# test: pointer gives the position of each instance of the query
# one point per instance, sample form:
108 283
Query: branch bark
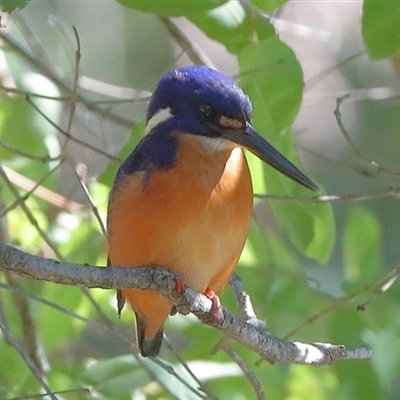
249 334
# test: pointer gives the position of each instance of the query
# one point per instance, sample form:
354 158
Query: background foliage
317 271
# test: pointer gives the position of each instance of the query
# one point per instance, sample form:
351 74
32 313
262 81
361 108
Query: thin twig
69 136
72 104
31 94
339 121
201 386
73 393
55 306
29 329
95 211
320 76
31 218
196 55
59 82
24 355
36 188
31 39
247 372
169 368
330 198
246 310
43 159
378 286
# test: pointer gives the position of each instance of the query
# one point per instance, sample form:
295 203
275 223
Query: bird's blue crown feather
184 90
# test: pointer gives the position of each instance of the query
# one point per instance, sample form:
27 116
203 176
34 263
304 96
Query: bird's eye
206 111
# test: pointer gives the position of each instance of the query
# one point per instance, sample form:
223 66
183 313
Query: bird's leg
216 304
179 285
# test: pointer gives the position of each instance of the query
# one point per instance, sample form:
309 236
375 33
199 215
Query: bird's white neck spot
160 116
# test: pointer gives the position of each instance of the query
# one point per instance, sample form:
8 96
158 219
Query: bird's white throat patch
160 116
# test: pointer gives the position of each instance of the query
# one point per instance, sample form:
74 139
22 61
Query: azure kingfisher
183 198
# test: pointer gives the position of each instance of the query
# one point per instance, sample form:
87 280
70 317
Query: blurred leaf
203 370
269 5
271 75
383 340
22 231
16 377
82 244
172 8
116 377
11 5
24 129
381 28
310 226
357 379
22 133
102 370
311 386
59 327
233 25
266 248
289 303
362 246
255 251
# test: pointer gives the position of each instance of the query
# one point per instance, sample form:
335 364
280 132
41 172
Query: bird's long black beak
254 142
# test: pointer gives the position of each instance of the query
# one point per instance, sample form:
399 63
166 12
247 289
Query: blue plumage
155 151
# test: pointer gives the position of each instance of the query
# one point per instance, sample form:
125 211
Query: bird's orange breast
192 218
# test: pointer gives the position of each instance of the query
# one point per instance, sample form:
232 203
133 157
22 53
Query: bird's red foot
179 285
216 304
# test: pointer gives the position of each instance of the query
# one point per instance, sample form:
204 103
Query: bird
183 199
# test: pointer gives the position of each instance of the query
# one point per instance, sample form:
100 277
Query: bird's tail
149 347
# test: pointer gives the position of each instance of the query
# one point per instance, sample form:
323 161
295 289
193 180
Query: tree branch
264 343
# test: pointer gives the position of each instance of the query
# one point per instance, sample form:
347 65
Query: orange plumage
192 219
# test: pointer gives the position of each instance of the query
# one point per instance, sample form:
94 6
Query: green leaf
59 327
357 378
233 25
172 8
383 341
310 226
272 77
362 246
22 231
203 370
15 375
381 28
102 370
117 377
306 385
269 5
11 5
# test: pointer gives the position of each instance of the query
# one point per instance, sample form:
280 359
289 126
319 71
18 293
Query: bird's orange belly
181 221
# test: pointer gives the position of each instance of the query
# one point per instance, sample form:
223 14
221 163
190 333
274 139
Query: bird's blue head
198 98
201 101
